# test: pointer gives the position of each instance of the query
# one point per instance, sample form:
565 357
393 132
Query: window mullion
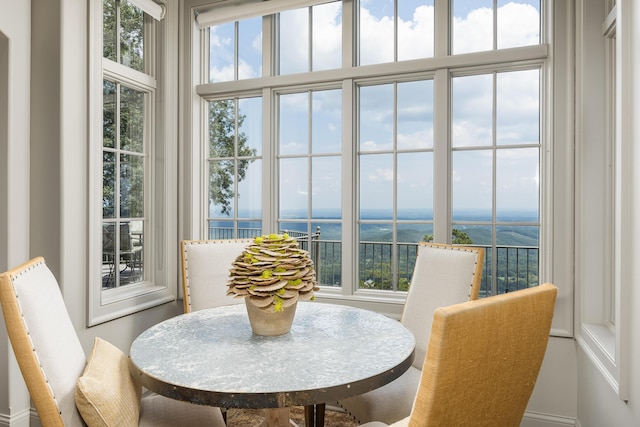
350 184
442 156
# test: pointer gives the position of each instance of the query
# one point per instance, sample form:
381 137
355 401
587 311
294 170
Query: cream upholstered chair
66 388
483 360
443 275
205 271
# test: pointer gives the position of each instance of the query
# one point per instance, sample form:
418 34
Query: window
606 141
128 275
402 136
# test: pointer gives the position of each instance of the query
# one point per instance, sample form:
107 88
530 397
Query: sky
515 100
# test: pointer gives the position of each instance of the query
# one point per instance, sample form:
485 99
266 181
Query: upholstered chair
205 271
443 275
67 388
483 360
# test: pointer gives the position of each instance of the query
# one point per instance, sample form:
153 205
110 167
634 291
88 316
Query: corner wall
15 48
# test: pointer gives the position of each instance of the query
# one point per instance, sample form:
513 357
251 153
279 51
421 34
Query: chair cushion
160 411
106 394
389 403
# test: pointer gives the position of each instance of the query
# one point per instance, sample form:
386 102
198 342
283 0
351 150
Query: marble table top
212 357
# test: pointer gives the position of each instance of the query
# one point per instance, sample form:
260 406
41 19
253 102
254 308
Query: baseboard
535 419
20 419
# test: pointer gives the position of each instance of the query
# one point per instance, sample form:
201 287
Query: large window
130 157
383 125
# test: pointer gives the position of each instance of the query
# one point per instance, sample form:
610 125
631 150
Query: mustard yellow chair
443 275
67 388
205 271
483 361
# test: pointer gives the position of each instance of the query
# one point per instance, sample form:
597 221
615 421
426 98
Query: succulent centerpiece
272 274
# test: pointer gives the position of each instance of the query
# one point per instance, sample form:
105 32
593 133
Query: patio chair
66 388
483 360
443 275
205 271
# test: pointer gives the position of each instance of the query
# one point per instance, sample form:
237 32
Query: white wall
15 47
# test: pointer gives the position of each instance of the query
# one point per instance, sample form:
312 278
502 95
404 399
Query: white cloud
381 175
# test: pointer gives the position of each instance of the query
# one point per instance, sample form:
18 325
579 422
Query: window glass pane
327 121
326 179
294 188
517 177
376 38
131 119
294 41
108 114
222 128
221 230
250 126
131 186
415 185
375 255
222 52
327 36
415 115
518 23
472 26
328 264
248 229
235 171
415 29
108 184
249 188
472 116
376 186
472 185
518 107
221 188
109 30
250 48
131 36
517 257
376 118
294 123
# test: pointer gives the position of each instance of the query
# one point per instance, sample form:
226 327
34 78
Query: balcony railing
512 268
515 267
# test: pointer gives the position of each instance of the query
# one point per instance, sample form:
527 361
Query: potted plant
272 274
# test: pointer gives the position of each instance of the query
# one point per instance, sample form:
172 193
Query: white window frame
160 259
556 244
605 271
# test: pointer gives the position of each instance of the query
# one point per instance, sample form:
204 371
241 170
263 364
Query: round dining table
212 357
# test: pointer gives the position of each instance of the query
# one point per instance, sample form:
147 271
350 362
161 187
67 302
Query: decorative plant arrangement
272 274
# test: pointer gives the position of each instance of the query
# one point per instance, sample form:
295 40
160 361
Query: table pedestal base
280 417
276 417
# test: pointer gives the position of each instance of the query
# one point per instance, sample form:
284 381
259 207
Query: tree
223 143
458 237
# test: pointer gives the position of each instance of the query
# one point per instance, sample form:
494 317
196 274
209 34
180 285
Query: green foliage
458 237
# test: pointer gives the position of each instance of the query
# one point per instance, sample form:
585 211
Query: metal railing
513 267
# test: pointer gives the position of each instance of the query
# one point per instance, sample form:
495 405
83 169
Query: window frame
159 285
556 212
605 275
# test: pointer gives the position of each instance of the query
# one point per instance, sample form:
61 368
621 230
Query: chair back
205 271
483 360
44 341
443 275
